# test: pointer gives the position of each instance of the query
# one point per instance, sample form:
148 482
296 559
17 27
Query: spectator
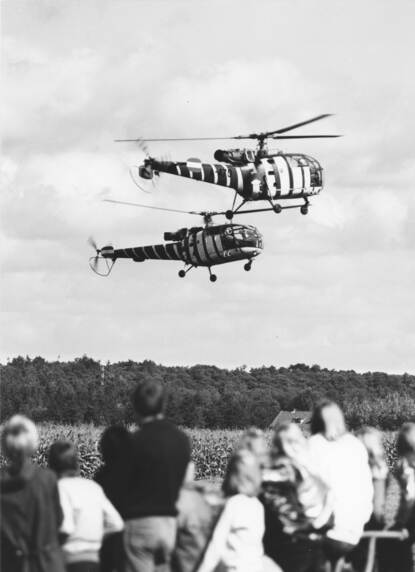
236 543
195 522
115 445
400 555
87 513
159 458
297 503
372 440
30 509
253 440
341 461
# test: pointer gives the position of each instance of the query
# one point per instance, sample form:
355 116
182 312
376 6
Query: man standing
160 455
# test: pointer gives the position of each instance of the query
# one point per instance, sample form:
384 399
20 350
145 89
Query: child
87 513
196 518
236 543
253 440
297 503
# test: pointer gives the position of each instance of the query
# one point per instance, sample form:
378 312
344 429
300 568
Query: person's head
328 420
114 444
243 475
405 444
372 440
190 473
19 438
253 440
149 399
63 459
288 440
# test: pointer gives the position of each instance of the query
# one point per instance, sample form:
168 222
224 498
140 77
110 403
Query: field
210 452
210 448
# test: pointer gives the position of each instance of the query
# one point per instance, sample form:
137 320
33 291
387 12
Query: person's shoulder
317 441
44 474
168 428
353 443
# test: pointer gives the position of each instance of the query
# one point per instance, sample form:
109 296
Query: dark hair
318 423
114 443
149 398
404 444
63 457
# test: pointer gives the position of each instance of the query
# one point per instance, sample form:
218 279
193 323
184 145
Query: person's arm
112 519
67 526
216 546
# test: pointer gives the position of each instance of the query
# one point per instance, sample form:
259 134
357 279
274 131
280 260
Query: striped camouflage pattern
283 176
201 247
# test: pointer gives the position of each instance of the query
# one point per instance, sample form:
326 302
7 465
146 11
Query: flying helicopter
207 245
254 174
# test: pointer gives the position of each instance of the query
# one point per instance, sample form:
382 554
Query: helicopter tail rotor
103 261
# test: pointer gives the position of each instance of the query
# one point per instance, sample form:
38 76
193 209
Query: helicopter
254 174
207 246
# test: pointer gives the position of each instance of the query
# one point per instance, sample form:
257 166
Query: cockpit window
237 237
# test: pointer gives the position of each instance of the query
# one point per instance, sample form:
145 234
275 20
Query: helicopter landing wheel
304 209
213 277
182 273
229 215
277 209
248 266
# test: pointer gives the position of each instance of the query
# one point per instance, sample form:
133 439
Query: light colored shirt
343 465
236 543
87 516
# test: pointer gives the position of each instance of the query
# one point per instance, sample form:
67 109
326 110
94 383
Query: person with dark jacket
30 508
160 453
115 446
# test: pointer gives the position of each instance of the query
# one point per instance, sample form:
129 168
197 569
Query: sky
334 287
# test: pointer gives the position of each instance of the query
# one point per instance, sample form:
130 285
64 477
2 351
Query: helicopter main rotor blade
175 139
276 136
198 213
260 136
296 125
148 207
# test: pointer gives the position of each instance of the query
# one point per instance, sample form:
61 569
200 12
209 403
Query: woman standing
30 508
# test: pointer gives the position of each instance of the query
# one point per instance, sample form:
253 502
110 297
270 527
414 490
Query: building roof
301 417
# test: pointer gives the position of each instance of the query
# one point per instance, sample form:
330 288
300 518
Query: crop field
210 452
210 448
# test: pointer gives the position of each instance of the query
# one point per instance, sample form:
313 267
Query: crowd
299 506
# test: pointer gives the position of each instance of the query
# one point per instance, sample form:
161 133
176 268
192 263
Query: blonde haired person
236 543
297 502
341 460
29 506
253 439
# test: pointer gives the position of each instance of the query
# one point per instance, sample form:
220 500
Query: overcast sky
335 287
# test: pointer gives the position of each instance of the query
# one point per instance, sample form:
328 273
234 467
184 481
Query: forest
87 391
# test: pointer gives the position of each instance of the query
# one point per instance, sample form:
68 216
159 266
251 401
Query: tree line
86 391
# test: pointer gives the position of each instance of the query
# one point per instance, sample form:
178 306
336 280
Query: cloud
334 287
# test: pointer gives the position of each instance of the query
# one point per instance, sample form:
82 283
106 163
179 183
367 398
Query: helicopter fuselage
272 177
209 246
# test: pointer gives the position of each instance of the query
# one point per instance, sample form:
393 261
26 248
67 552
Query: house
302 418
